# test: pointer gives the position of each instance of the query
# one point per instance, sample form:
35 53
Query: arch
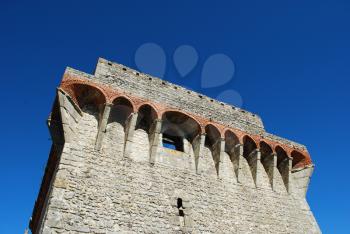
144 133
85 95
281 154
118 125
121 110
168 110
299 159
150 105
231 140
213 142
212 135
123 100
249 146
265 149
146 117
180 124
179 130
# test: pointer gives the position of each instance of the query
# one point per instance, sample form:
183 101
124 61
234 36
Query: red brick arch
77 89
218 127
154 107
126 98
282 147
197 120
209 128
251 138
267 145
237 133
109 94
300 160
228 142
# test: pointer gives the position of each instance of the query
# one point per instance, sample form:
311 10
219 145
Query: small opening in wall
137 73
109 63
173 142
124 69
180 207
200 96
149 78
189 92
175 87
163 82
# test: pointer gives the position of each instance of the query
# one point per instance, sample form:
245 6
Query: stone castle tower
135 154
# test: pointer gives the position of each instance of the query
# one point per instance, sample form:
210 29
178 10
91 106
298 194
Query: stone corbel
238 152
198 146
102 126
222 155
129 134
155 139
255 166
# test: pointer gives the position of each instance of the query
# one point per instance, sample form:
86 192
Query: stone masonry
135 154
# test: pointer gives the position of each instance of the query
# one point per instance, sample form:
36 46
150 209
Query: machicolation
135 154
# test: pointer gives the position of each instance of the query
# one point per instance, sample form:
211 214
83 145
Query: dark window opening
180 207
181 213
173 142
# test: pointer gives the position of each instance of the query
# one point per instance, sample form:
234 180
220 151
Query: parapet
114 80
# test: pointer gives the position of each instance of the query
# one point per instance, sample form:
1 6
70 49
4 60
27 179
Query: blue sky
292 67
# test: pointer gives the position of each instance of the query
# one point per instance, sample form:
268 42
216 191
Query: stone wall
104 192
130 183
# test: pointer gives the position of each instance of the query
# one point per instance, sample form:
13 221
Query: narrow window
180 207
181 212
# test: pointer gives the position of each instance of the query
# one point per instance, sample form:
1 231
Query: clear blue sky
292 63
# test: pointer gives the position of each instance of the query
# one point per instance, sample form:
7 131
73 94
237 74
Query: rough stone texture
108 191
193 102
120 77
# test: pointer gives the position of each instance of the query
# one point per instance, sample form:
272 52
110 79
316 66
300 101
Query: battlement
119 124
